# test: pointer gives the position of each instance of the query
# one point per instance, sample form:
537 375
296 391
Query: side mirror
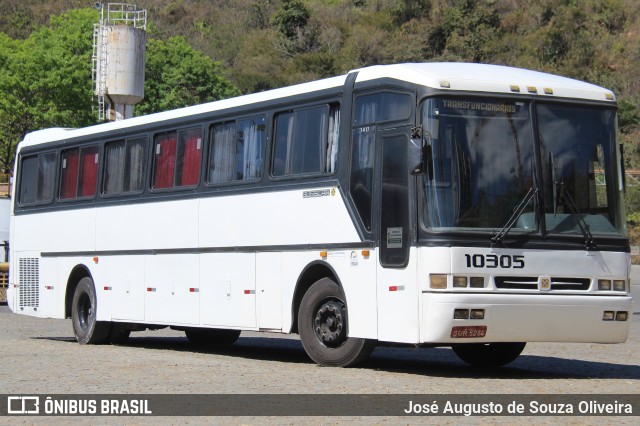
416 156
421 155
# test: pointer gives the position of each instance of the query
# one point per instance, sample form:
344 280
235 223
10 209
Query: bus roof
454 76
488 78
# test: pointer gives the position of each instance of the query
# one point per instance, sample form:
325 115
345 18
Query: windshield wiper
563 194
530 195
559 194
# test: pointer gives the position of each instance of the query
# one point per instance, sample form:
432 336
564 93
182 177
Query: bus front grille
531 283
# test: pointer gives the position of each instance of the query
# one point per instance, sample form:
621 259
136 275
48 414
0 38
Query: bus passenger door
397 266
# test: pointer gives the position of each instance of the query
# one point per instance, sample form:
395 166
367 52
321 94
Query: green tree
293 24
259 65
291 18
176 75
45 80
471 29
406 10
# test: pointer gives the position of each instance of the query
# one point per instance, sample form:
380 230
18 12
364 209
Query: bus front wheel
322 323
83 315
488 354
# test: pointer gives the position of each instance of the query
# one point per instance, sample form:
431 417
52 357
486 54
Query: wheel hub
329 323
84 312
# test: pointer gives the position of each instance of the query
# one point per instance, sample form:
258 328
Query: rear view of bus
437 204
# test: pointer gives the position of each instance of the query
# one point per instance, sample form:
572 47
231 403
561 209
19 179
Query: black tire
119 334
488 354
322 323
211 336
83 315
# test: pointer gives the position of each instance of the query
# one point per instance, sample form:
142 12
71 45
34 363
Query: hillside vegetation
263 44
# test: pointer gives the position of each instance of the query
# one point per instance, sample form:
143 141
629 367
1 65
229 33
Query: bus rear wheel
488 354
211 336
322 323
83 315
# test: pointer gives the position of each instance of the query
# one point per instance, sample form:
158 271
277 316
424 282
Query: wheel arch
313 272
77 273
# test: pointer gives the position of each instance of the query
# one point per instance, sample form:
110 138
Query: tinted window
306 141
37 179
362 160
177 158
125 166
79 172
380 107
237 150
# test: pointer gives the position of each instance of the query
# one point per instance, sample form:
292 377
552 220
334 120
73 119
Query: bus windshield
481 172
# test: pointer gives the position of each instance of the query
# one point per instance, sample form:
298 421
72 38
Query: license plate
468 331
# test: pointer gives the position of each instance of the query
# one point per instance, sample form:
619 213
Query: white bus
436 204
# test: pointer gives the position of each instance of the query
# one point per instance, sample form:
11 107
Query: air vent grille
29 275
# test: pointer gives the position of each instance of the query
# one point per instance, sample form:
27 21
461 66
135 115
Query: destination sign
479 106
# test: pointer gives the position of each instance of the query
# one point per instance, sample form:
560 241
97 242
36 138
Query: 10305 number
505 261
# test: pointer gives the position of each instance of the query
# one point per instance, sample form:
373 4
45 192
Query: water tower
119 45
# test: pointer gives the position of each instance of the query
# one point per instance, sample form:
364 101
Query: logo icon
545 283
23 405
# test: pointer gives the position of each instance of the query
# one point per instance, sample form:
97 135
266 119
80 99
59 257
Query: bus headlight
461 314
622 315
477 282
604 285
619 285
438 282
477 314
459 281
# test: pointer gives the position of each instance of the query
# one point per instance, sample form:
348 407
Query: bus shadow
432 362
443 362
274 349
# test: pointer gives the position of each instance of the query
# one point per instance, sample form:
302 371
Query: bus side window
177 158
221 153
306 141
79 172
282 144
125 166
362 160
382 107
237 151
88 171
188 161
37 179
69 173
250 148
164 160
28 180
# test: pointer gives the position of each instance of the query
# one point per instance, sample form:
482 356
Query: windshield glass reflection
481 163
479 157
580 175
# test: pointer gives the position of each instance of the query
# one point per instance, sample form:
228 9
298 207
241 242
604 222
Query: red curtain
69 184
165 161
191 160
89 172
